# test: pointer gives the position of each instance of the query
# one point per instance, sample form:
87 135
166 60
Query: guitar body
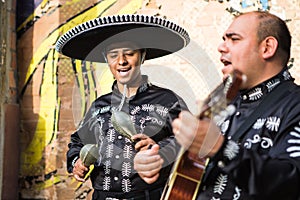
186 176
188 170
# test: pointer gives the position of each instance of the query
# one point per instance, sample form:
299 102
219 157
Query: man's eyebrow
120 49
112 51
229 35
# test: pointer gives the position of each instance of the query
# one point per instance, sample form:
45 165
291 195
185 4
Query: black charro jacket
152 110
265 163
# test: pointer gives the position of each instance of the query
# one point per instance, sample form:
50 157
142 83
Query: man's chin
225 76
123 80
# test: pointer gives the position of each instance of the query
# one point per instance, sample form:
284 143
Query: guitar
188 170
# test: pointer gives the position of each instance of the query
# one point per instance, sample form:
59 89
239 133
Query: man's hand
143 142
79 171
200 137
148 163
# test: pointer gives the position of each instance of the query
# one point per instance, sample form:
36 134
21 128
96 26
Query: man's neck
130 90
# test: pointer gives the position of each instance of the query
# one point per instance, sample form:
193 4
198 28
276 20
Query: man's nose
222 47
122 59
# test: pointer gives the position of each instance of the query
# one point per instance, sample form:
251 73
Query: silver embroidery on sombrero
121 20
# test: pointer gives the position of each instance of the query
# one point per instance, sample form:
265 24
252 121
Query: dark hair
271 25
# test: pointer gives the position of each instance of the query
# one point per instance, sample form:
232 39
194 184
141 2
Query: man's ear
270 46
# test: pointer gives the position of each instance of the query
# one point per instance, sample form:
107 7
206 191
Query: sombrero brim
88 40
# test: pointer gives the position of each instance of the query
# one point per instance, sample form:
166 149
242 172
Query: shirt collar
257 92
142 88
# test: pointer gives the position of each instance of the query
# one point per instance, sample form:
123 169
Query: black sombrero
87 41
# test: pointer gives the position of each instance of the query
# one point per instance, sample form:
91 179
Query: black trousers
154 194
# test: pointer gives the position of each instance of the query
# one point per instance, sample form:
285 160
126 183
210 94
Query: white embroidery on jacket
256 94
148 107
271 84
273 123
126 185
259 123
142 123
127 153
214 198
163 111
224 126
294 149
237 194
231 150
264 142
221 116
109 150
107 166
135 110
156 121
111 135
106 183
143 87
74 160
220 184
249 142
104 109
287 75
126 169
127 140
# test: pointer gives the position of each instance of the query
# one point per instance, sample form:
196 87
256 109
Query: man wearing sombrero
124 42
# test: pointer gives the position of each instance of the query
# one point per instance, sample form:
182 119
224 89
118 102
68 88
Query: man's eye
112 55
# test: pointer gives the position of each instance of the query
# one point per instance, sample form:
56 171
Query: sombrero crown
87 41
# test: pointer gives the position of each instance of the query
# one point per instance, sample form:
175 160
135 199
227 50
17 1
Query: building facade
44 94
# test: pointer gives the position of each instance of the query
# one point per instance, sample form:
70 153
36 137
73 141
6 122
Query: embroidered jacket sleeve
267 165
169 146
81 136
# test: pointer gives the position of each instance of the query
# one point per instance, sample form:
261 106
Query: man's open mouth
226 62
124 70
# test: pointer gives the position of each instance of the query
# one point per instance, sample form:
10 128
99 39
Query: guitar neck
222 95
